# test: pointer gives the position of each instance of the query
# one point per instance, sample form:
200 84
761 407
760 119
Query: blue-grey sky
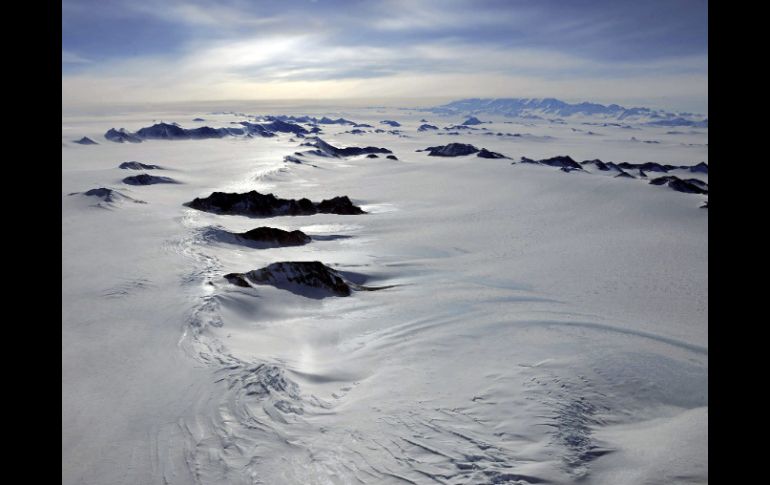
630 52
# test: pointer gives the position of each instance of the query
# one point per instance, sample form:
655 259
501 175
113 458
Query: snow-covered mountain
535 108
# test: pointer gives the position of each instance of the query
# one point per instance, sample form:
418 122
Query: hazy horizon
318 104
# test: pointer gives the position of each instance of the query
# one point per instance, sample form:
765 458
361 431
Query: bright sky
652 53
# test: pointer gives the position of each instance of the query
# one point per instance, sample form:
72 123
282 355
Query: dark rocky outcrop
598 163
689 186
624 174
255 129
162 131
198 119
310 120
172 131
121 136
705 205
109 196
452 150
472 121
284 127
633 138
647 166
275 237
85 141
307 278
103 193
338 121
484 153
339 205
325 149
372 155
702 167
394 124
254 204
138 166
392 157
558 161
427 127
146 179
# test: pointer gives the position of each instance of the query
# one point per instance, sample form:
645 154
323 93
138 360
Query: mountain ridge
540 108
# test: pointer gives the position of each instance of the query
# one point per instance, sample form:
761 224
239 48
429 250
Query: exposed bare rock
85 141
254 204
307 278
275 237
138 166
146 179
690 186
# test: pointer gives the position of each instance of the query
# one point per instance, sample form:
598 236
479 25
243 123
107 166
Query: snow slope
539 326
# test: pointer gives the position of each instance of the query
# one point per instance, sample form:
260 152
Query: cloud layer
625 52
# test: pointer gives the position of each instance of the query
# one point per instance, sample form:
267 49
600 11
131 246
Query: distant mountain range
544 108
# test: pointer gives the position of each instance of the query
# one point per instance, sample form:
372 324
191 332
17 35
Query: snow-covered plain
543 327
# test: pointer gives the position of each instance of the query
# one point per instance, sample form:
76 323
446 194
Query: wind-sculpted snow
255 204
536 327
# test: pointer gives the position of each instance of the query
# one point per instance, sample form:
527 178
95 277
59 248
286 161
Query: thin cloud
68 57
250 50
